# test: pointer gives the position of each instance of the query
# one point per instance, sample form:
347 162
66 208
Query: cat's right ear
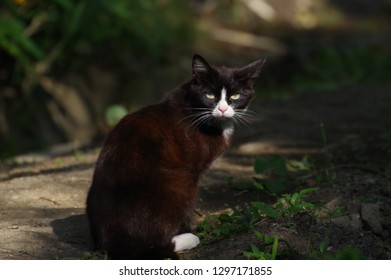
201 68
250 72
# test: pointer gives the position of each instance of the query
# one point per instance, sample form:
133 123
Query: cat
144 186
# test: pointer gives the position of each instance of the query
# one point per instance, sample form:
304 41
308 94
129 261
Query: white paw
185 241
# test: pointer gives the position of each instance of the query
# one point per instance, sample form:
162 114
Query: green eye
235 96
210 96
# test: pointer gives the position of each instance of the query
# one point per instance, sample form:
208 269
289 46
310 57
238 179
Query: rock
371 218
333 204
353 222
328 208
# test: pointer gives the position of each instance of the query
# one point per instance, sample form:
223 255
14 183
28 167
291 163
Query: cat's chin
225 123
224 119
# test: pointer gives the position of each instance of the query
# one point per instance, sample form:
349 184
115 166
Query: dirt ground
42 200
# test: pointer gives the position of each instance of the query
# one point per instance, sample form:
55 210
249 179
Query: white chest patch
227 133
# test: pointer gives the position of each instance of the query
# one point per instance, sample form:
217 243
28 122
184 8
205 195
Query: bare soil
42 203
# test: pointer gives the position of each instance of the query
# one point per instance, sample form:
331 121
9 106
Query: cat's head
222 93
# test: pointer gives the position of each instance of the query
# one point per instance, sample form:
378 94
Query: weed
274 170
257 254
215 227
344 253
328 174
274 180
291 204
339 211
299 165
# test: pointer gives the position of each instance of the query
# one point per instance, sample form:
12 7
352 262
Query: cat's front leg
185 241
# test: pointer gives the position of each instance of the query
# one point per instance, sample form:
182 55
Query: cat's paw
185 241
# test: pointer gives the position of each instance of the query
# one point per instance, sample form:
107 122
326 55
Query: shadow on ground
73 230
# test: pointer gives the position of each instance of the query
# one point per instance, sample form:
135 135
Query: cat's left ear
250 72
201 68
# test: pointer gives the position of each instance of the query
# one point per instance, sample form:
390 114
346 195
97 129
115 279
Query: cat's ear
201 68
250 72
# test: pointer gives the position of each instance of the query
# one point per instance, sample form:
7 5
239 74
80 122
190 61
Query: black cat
144 186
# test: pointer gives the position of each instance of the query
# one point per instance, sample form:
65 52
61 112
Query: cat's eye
210 96
235 96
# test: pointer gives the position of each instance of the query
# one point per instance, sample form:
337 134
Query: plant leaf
275 185
114 114
266 209
225 218
294 199
255 249
277 163
307 190
261 165
275 247
258 186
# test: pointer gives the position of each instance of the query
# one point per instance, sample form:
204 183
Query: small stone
371 218
13 227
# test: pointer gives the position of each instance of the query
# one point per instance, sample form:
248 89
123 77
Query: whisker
199 120
195 108
200 108
192 116
196 117
241 120
248 116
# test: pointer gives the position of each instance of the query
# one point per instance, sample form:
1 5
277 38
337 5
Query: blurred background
69 69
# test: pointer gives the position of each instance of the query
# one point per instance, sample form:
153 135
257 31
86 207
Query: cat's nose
223 108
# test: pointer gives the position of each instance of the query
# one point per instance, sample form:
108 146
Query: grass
328 173
258 254
274 171
275 176
343 253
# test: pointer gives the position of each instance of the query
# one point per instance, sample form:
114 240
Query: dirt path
42 204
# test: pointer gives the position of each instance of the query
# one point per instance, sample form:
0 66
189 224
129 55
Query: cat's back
142 126
140 138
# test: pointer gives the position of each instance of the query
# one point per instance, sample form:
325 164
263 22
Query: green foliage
223 225
276 164
327 174
291 204
218 226
114 113
287 205
15 42
263 208
275 170
54 39
257 254
344 253
146 28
